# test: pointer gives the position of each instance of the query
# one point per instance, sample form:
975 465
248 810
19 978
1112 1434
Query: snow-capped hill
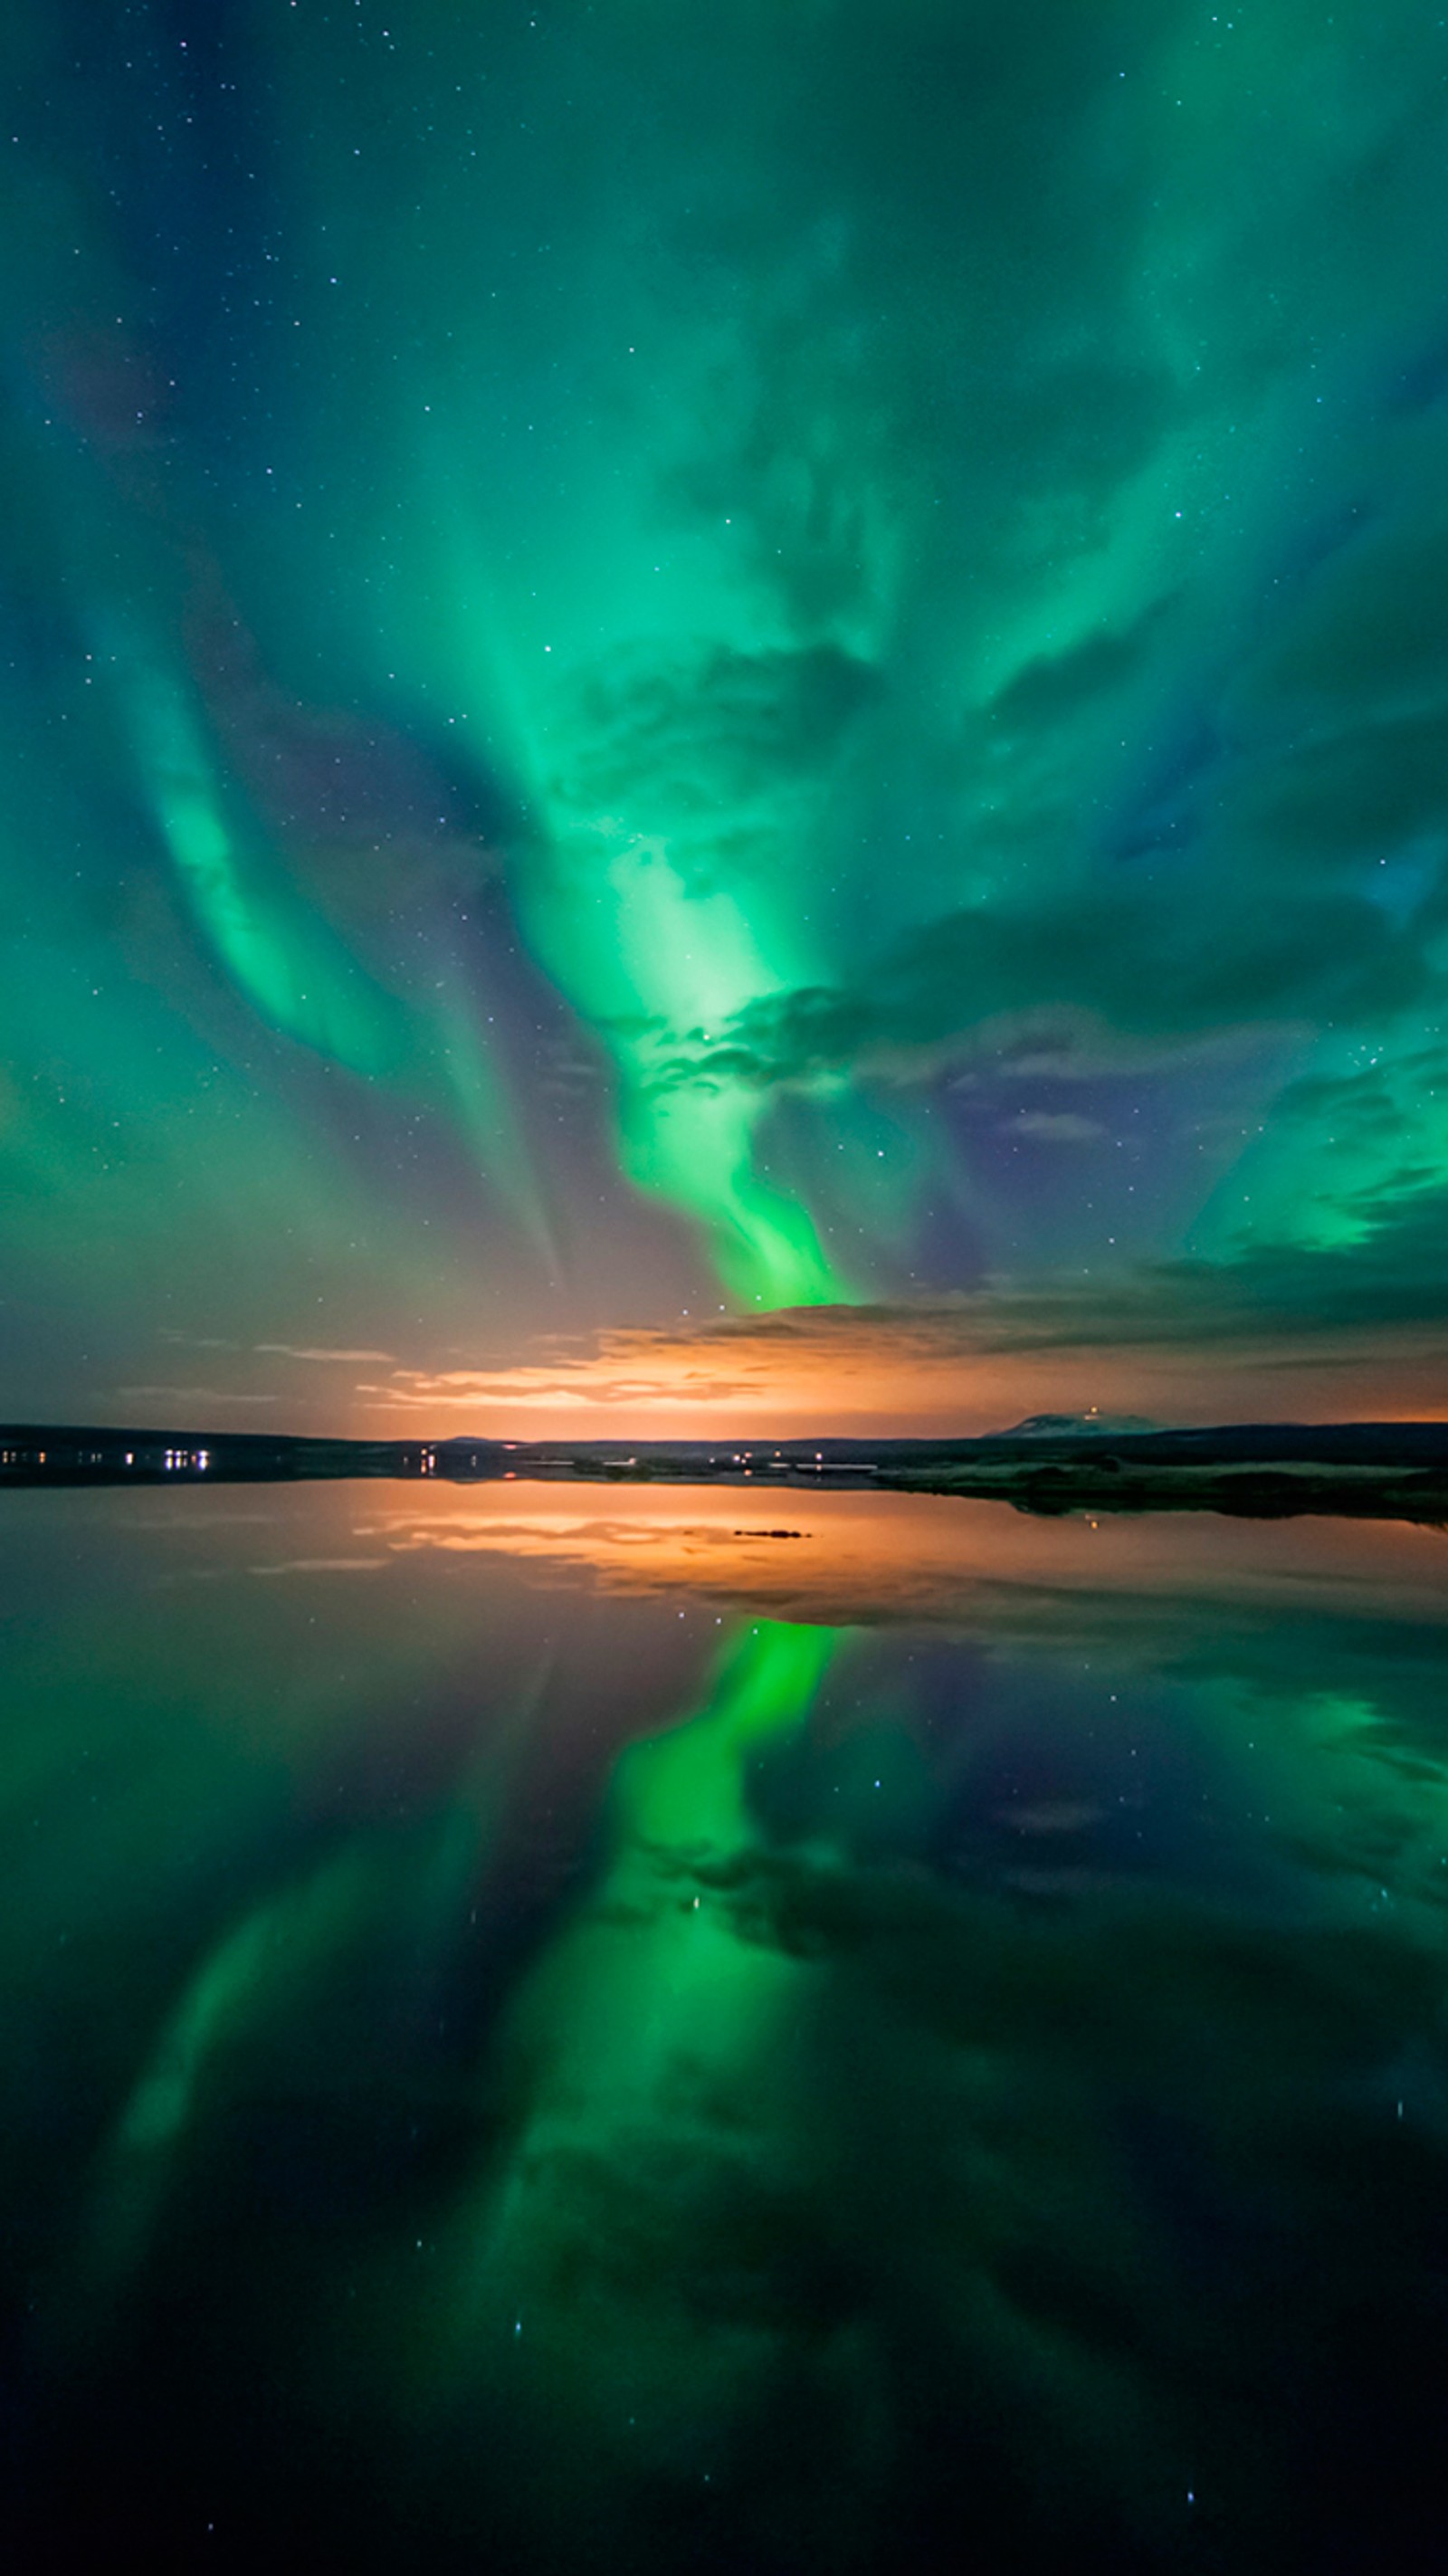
1066 1426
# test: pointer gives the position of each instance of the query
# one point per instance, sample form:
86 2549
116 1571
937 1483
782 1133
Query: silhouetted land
1396 1470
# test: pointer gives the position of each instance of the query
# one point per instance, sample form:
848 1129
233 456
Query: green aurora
778 656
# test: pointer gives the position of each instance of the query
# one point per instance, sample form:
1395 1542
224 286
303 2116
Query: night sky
726 715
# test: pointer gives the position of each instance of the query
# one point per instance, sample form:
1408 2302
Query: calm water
547 2031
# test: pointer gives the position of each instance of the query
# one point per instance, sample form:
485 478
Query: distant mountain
1066 1426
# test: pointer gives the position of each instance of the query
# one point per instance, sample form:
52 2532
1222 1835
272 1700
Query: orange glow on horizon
841 1373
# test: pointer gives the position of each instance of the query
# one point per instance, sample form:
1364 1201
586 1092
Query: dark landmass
1388 1470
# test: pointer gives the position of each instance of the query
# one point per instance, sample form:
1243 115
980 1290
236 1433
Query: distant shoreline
1394 1470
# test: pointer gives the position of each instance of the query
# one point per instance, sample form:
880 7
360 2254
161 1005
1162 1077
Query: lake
549 2029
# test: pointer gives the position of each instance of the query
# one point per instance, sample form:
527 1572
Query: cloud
1055 1127
603 1376
1146 962
324 1565
1053 686
704 744
187 1395
295 1351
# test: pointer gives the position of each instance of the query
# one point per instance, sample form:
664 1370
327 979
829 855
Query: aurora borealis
727 713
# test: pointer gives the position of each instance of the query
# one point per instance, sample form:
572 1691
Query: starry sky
723 716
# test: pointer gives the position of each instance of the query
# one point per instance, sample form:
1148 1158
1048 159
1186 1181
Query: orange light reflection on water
851 1557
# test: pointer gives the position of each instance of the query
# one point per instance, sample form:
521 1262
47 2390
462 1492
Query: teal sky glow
661 666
